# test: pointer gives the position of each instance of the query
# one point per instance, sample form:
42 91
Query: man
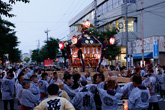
84 99
34 87
86 77
55 78
29 73
18 86
159 80
19 70
67 86
54 102
144 72
8 91
117 67
61 92
43 85
121 74
150 82
28 100
109 97
127 88
140 95
137 71
100 78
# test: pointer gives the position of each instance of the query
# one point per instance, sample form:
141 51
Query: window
92 14
129 1
108 26
120 1
105 7
130 24
115 3
110 5
100 10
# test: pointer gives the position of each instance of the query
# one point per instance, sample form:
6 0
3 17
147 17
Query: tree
49 50
6 7
36 56
8 41
111 51
26 59
52 46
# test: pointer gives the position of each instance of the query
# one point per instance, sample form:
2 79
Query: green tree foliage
111 50
52 46
6 6
49 50
36 56
26 59
8 41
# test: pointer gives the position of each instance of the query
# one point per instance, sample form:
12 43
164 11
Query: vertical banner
155 49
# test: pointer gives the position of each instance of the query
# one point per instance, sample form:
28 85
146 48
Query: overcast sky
34 18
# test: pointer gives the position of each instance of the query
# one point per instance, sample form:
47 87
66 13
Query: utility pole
38 46
126 31
47 33
95 21
142 33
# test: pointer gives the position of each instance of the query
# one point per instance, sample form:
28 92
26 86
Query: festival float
86 51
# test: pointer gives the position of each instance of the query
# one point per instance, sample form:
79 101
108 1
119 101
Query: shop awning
139 55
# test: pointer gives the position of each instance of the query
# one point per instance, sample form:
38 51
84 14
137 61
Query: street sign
155 49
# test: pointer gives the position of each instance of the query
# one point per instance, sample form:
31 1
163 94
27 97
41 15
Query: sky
34 18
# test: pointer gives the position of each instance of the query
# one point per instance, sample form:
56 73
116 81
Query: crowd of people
35 89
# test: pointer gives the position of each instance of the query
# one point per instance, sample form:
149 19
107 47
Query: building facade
111 14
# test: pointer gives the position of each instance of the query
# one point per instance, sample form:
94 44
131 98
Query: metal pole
126 30
47 31
142 33
95 21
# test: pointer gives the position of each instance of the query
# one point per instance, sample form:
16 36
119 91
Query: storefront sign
155 49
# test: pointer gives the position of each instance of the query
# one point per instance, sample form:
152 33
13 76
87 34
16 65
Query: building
111 14
28 55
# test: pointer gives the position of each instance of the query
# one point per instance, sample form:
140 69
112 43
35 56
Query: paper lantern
112 40
61 45
74 40
87 24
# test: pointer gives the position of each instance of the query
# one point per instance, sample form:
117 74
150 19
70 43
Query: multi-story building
111 14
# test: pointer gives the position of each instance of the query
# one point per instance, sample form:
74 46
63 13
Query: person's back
139 98
8 91
84 100
54 102
109 97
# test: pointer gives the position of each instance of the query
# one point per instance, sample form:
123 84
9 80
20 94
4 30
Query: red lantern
74 40
112 40
61 45
87 24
